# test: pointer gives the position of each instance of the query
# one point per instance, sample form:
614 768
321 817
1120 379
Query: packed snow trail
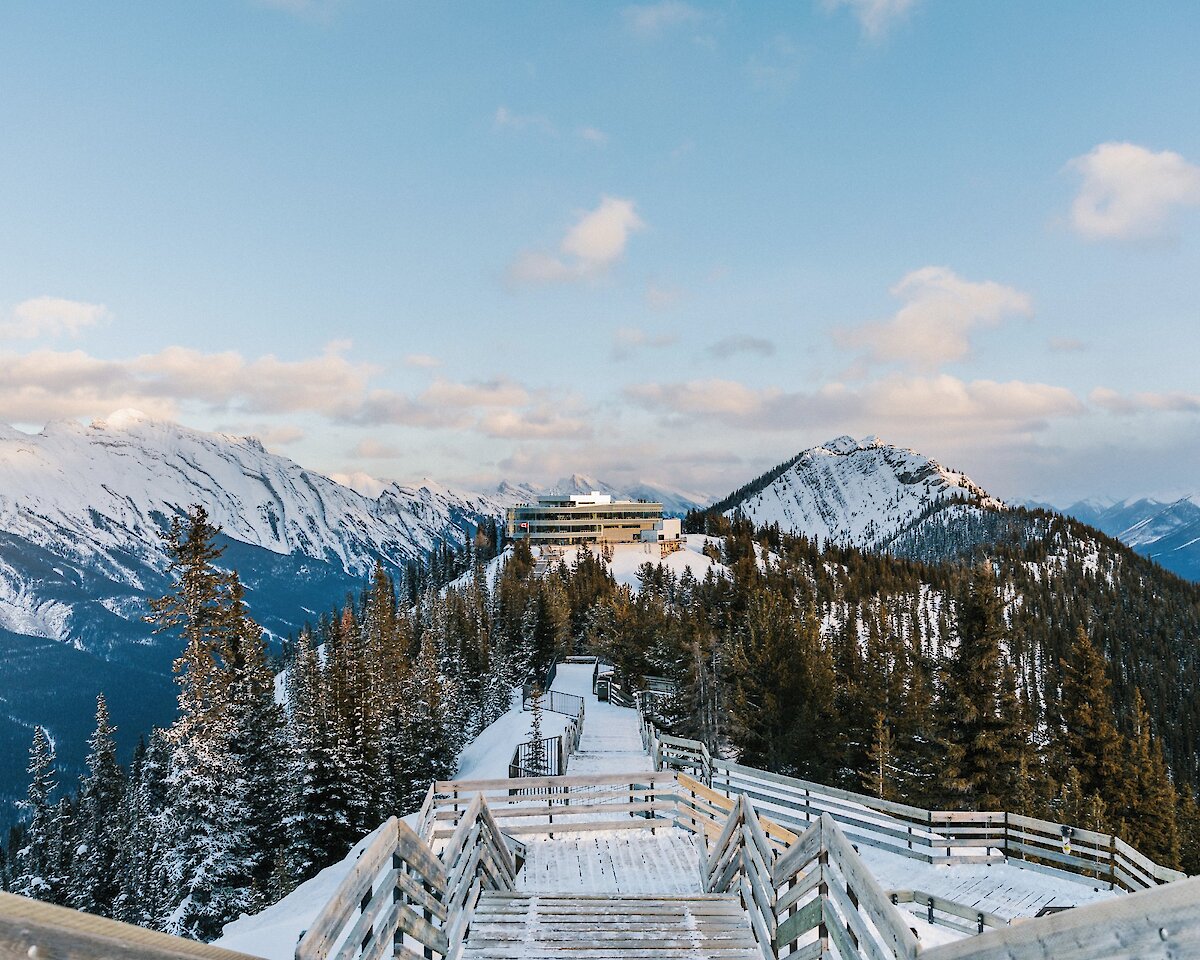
612 739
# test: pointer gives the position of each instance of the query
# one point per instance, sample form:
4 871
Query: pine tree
973 731
211 863
34 864
535 762
317 825
1151 804
94 882
1090 741
141 865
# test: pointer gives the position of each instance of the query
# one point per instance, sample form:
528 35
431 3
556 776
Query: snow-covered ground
636 862
274 932
612 741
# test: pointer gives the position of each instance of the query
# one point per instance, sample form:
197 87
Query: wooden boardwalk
609 927
612 739
629 862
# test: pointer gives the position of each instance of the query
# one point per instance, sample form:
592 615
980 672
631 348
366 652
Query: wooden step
519 926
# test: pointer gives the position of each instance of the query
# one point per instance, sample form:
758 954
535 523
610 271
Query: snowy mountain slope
858 493
81 510
1168 532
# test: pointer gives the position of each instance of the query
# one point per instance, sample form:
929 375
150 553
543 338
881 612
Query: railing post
853 897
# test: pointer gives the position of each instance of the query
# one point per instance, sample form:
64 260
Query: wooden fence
932 836
400 899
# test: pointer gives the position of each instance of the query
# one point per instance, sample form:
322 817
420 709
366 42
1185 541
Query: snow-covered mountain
1165 531
675 502
862 493
81 510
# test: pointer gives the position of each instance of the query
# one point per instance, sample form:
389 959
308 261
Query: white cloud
941 310
629 340
896 402
505 119
1177 401
875 16
590 247
47 384
729 346
49 317
1131 193
501 392
647 21
541 422
592 135
423 361
725 398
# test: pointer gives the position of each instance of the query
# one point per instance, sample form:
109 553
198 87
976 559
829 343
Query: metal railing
555 701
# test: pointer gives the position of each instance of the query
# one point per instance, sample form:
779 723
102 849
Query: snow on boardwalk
1003 889
625 862
612 741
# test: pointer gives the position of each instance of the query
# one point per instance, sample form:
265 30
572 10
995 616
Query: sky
671 242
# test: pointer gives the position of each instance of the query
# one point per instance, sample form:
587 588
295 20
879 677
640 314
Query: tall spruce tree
94 882
34 865
974 731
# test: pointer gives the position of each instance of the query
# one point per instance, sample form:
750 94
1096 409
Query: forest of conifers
1048 673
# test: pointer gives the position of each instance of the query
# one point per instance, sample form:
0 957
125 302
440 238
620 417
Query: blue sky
672 241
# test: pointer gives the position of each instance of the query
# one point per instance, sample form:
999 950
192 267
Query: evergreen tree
34 866
975 733
94 883
1090 741
141 864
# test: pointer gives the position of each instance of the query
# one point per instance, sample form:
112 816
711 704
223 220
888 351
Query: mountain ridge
861 493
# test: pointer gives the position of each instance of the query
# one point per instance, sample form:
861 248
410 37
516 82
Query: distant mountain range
1166 531
82 509
675 502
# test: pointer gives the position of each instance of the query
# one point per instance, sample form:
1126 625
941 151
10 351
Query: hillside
81 510
1166 531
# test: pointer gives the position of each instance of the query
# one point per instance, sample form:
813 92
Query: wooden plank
872 899
342 906
874 803
1158 924
29 928
799 923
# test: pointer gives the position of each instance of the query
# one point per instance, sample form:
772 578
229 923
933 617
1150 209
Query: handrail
396 887
30 928
1157 924
829 894
740 862
933 836
399 891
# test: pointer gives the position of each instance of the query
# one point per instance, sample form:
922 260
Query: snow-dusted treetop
856 492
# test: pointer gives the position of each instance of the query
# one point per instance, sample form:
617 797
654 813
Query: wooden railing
401 899
556 805
932 836
41 931
1158 924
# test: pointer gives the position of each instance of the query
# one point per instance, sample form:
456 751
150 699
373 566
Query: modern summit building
590 518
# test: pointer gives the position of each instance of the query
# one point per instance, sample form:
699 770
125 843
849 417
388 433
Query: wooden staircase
516 926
